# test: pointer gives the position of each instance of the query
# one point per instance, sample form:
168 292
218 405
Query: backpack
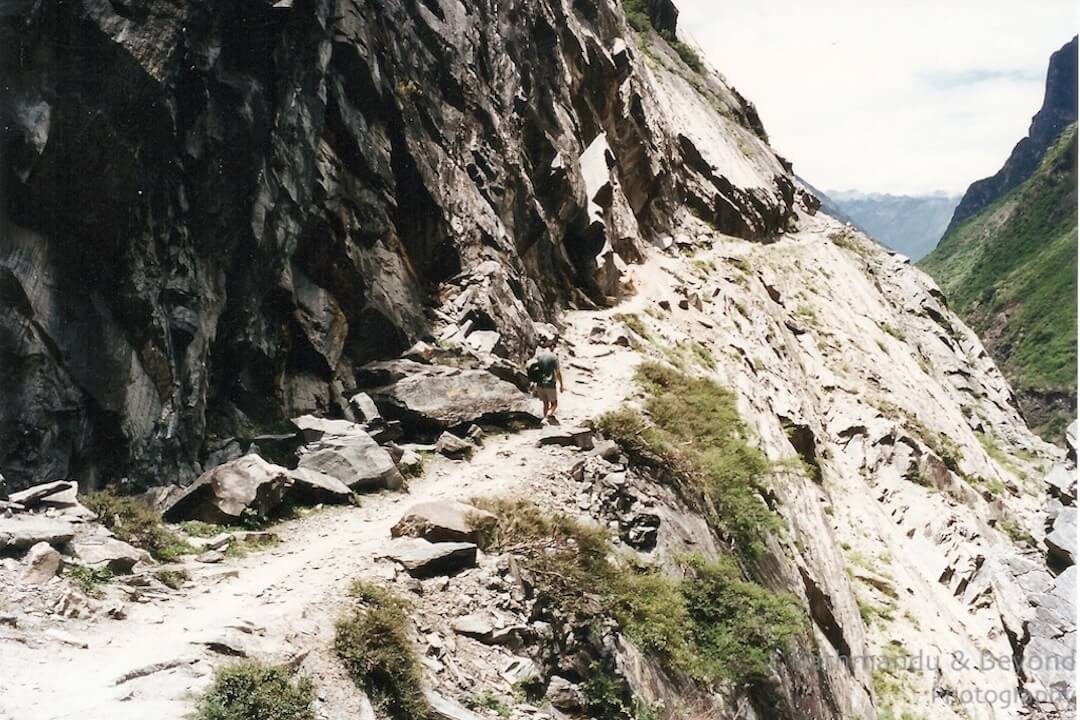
533 370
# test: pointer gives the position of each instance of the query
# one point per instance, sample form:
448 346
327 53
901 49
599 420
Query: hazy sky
901 97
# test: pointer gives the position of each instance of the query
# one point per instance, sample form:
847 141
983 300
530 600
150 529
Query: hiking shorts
547 394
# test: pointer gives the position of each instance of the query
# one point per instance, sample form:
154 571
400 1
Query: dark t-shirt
549 365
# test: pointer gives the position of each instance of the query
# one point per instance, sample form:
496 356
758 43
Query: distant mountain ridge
1008 260
908 224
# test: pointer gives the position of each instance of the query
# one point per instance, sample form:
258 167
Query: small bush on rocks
89 580
735 625
135 523
172 579
637 14
373 643
711 624
696 434
253 691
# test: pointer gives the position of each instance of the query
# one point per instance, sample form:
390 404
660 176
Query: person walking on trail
547 373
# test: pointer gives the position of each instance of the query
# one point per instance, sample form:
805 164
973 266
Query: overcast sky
901 97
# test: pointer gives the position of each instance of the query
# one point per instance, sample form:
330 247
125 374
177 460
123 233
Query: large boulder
430 399
106 552
311 487
24 531
421 558
222 495
354 459
447 521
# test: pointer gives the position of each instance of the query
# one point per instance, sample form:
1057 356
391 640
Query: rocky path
276 603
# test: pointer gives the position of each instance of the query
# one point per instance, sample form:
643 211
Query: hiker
545 372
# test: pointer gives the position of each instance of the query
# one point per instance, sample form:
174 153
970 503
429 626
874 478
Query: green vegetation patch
1010 272
135 523
372 642
736 626
89 580
694 433
710 624
172 579
254 691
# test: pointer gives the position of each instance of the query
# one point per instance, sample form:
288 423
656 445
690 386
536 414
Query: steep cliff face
213 212
1008 259
1057 113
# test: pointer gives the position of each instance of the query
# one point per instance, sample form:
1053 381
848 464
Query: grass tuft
373 643
697 436
711 624
135 523
172 579
251 690
89 580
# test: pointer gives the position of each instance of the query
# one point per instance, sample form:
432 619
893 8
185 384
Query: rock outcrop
227 493
213 216
1058 111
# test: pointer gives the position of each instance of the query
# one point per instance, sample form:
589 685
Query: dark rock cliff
1059 110
213 212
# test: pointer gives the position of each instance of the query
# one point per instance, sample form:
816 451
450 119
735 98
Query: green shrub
712 624
637 14
650 608
89 580
939 443
697 435
735 625
253 691
488 700
198 528
135 523
635 325
894 331
243 544
172 579
372 642
689 55
704 356
570 558
1016 532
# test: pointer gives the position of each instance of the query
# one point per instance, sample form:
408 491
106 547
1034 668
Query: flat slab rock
447 521
61 491
313 487
445 709
421 558
21 532
450 399
580 437
101 552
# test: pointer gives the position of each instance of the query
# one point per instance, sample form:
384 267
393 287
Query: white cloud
889 97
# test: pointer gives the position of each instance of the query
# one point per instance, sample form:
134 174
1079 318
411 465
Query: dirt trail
289 594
